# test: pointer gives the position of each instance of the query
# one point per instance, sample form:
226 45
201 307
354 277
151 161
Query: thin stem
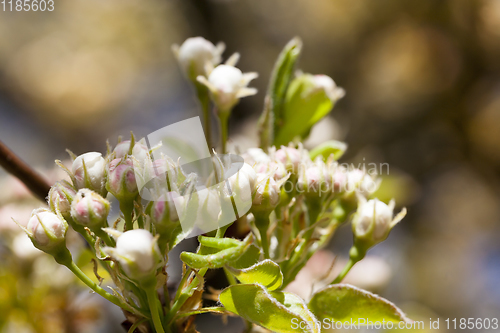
223 118
205 107
105 237
127 210
136 324
344 272
94 286
200 311
25 173
230 277
153 308
264 242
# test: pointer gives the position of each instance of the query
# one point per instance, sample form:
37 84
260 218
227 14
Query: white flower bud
46 230
255 155
267 192
373 221
315 179
137 252
122 149
242 184
325 83
227 85
275 168
89 171
196 53
61 195
89 209
163 212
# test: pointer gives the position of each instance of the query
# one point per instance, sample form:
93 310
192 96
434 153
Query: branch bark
35 182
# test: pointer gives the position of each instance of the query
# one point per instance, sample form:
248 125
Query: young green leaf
343 302
266 273
277 311
281 76
332 147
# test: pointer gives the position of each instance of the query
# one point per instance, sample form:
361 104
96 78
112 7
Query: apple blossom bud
267 193
46 230
242 185
121 179
163 212
196 53
61 195
227 85
326 84
315 179
255 155
372 222
122 149
137 253
89 209
290 157
89 172
275 168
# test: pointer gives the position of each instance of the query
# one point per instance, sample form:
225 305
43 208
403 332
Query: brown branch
18 168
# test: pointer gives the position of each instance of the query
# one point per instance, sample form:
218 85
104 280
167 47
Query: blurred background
423 94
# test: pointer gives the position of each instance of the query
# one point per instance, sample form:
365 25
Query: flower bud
242 185
373 221
255 155
290 157
138 254
89 171
196 53
227 85
61 195
46 230
89 209
275 168
267 193
163 212
315 179
121 179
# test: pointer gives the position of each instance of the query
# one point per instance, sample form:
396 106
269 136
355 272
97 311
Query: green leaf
278 85
304 106
333 147
277 311
266 273
249 258
343 302
218 259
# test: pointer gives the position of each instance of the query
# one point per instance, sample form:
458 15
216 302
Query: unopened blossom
227 84
196 54
46 229
121 180
61 195
242 184
275 168
315 179
267 191
255 155
290 157
373 221
90 209
137 252
326 84
89 171
163 211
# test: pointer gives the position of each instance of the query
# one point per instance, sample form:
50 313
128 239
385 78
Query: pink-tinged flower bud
275 168
227 84
373 221
89 209
325 83
290 157
196 53
89 171
61 195
137 253
163 212
315 180
122 149
46 230
121 179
